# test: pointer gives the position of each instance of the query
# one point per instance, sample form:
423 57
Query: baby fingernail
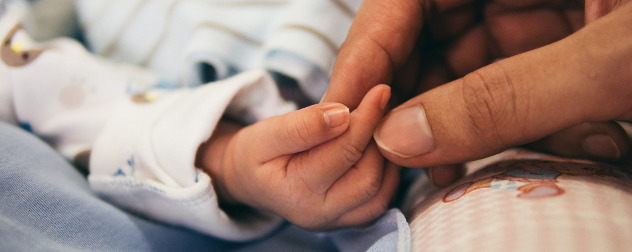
405 133
601 145
336 115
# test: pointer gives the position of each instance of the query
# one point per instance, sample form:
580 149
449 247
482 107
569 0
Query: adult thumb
582 78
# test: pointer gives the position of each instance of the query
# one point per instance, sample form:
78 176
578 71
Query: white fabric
63 94
47 19
295 37
149 169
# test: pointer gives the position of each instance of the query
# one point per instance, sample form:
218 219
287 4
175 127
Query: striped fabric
180 38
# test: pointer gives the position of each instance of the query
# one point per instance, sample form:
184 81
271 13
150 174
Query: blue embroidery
131 164
132 167
130 161
119 172
26 126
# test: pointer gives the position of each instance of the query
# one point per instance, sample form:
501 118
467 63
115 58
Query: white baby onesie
141 132
297 38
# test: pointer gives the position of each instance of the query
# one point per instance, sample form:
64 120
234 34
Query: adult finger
605 141
598 8
445 175
519 30
380 40
299 130
517 100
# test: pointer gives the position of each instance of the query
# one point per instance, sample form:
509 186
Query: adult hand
495 107
583 78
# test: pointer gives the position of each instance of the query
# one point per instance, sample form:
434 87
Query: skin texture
318 172
564 76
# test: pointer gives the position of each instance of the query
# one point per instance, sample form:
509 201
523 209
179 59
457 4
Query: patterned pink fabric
527 202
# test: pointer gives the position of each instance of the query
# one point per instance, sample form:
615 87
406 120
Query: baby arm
316 167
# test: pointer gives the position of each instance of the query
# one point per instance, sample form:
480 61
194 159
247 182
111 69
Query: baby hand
316 167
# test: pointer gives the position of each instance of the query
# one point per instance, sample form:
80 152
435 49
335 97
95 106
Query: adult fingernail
405 133
336 115
602 146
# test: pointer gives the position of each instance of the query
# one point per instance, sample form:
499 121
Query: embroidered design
144 97
137 95
533 179
130 166
76 93
26 126
12 52
119 172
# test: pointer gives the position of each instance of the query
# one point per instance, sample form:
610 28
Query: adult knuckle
489 97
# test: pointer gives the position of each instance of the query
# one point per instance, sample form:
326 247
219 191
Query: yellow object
17 47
